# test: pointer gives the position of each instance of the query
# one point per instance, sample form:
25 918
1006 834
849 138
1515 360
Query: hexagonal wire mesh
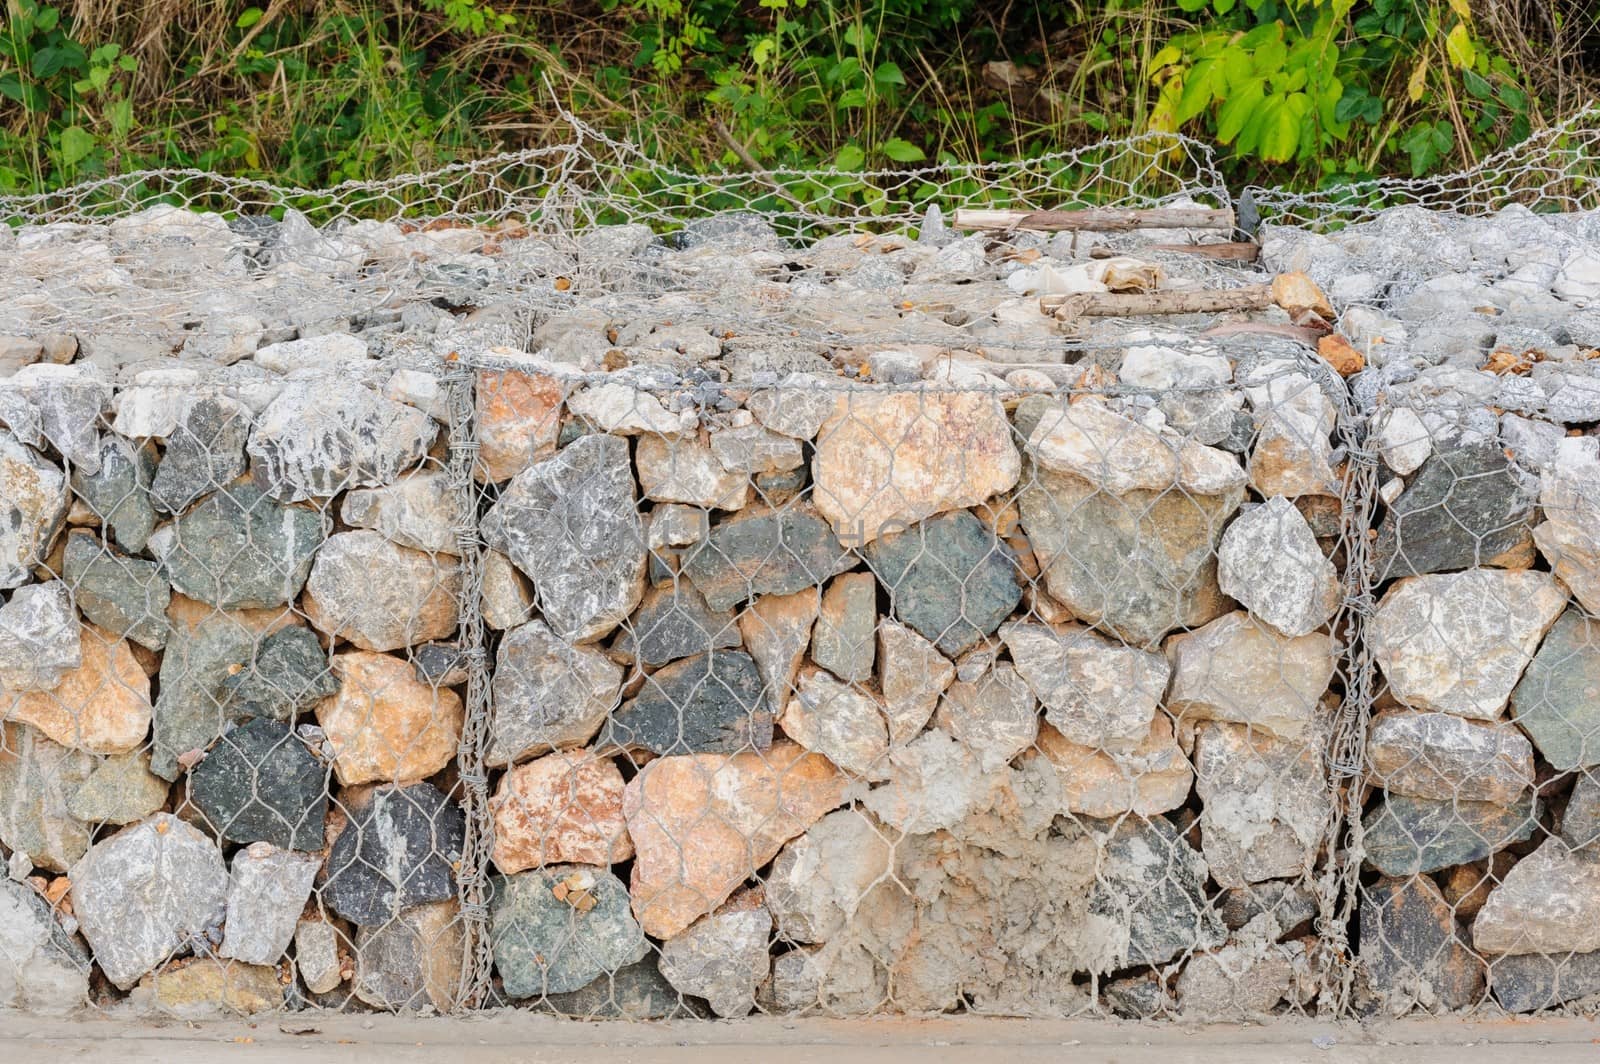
823 620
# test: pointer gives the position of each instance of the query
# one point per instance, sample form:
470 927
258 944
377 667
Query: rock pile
855 634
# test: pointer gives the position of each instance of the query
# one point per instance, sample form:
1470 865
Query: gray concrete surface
519 1037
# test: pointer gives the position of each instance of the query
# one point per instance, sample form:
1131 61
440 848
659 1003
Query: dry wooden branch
1127 305
1097 219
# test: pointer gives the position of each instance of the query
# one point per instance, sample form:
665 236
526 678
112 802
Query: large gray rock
1096 692
1557 701
42 968
119 493
1406 836
325 434
1569 537
844 639
39 637
1151 887
1125 523
120 593
37 780
1441 756
240 548
674 622
1458 642
60 405
420 510
194 705
205 453
710 703
261 784
558 929
1240 670
32 505
1412 951
119 791
266 894
1533 981
412 961
775 552
572 524
1269 560
399 850
949 578
1265 803
637 992
288 676
145 893
1548 903
1467 507
722 956
548 694
382 596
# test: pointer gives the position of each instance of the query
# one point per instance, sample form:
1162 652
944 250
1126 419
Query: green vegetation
313 92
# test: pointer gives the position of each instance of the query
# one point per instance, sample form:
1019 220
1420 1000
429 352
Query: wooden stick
1133 304
1241 251
1097 219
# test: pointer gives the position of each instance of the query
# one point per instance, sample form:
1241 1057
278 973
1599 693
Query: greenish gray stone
1529 982
637 992
1580 821
674 622
1465 508
204 453
240 548
1153 883
1557 701
774 553
844 640
398 850
119 493
710 703
194 705
949 579
261 784
1406 836
1412 950
120 790
440 664
120 593
545 944
289 675
37 779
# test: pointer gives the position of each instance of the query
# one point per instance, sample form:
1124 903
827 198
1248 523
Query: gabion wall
439 618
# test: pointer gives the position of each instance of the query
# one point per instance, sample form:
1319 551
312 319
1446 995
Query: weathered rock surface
416 598
204 453
412 961
507 596
1569 537
949 579
1406 836
549 694
125 595
1442 756
842 722
571 523
674 622
397 851
710 703
704 823
316 955
843 641
1534 981
722 956
1548 903
119 791
1413 951
912 674
996 715
239 549
418 511
102 706
1458 642
195 706
887 460
384 725
1557 701
819 880
266 892
1264 803
518 420
119 493
1238 670
1096 693
288 675
42 968
1153 777
637 992
325 434
1269 560
203 987
37 779
560 809
145 892
774 552
776 630
1244 978
1467 507
261 784
35 500
683 470
1291 454
558 929
754 449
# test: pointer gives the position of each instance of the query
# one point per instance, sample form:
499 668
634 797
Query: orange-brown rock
1152 779
1336 351
565 808
519 416
102 706
703 824
384 725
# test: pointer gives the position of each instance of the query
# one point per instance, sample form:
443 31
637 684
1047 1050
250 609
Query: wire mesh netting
561 583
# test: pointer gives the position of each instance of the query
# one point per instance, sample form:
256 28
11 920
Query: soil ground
520 1037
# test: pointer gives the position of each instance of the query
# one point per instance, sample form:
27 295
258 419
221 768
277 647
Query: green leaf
1238 109
902 151
1459 47
850 158
1281 127
249 18
1191 6
1197 90
1223 6
853 98
888 74
46 19
76 144
1477 85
